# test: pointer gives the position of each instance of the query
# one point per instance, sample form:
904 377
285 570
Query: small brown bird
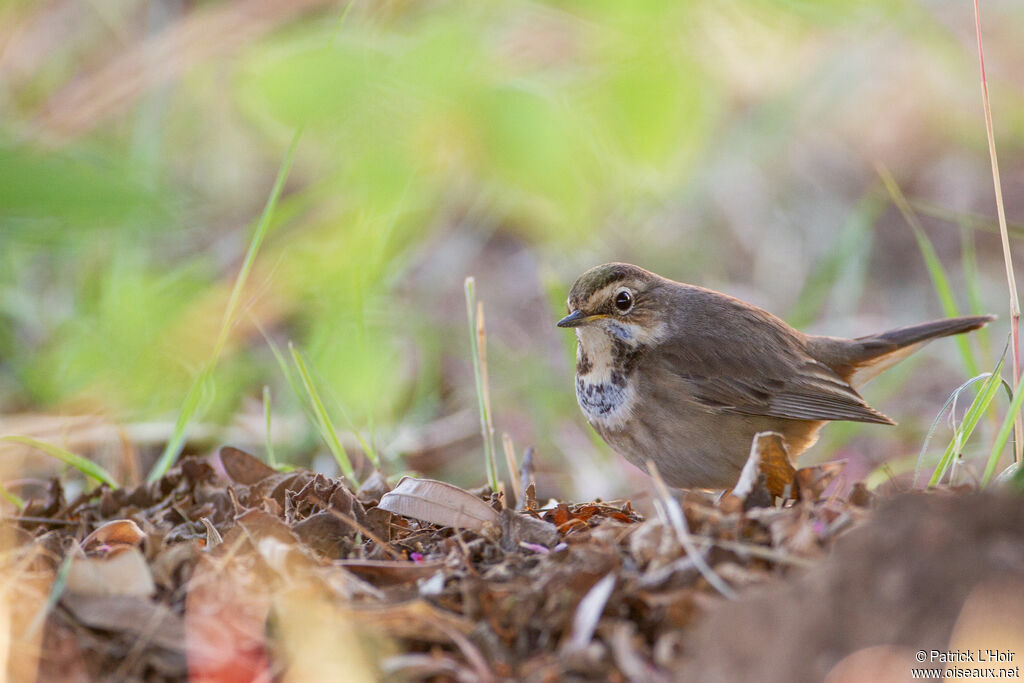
686 376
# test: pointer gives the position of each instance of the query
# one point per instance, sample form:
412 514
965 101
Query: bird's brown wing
782 381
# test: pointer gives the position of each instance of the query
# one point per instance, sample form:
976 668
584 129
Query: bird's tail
922 332
861 359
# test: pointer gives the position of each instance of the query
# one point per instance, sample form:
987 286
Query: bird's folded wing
793 387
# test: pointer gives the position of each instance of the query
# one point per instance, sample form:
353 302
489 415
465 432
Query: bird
685 376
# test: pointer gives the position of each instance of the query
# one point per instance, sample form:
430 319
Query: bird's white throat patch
604 395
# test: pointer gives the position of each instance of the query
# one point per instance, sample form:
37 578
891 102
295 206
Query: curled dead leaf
768 468
118 532
438 502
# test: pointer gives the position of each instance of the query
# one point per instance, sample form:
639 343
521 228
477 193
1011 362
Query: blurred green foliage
569 125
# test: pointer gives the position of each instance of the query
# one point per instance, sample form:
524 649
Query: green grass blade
83 465
13 498
1004 432
189 407
940 281
938 418
271 458
838 267
298 384
60 583
369 449
286 370
970 267
327 431
191 403
974 413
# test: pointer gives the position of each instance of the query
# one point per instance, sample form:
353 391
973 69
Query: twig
758 551
526 477
672 514
386 547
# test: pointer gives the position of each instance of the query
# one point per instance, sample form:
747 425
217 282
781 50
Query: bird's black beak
574 319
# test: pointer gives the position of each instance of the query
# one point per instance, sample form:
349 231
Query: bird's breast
604 388
606 404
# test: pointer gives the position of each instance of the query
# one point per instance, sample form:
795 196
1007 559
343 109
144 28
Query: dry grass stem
1011 282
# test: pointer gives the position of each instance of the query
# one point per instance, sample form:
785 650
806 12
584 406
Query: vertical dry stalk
481 347
1018 424
673 517
478 344
510 462
481 344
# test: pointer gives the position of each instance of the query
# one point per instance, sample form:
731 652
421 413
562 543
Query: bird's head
621 299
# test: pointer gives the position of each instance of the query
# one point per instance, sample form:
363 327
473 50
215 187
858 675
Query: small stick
673 515
526 477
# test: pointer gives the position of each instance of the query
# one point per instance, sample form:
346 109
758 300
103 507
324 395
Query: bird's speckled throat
605 363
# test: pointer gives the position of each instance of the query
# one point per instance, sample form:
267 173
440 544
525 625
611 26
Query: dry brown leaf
118 573
118 532
812 481
768 466
387 572
129 614
437 502
244 468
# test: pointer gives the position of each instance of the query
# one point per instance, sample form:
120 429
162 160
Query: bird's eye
623 300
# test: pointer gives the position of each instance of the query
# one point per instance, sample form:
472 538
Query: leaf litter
226 569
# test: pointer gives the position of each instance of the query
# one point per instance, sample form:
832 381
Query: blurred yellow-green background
731 144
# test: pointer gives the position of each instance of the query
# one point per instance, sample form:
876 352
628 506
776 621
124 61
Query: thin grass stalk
87 467
1011 282
1004 432
60 583
269 442
970 220
477 340
977 408
481 345
12 498
369 447
935 270
969 259
327 431
513 468
177 441
948 405
672 516
305 401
